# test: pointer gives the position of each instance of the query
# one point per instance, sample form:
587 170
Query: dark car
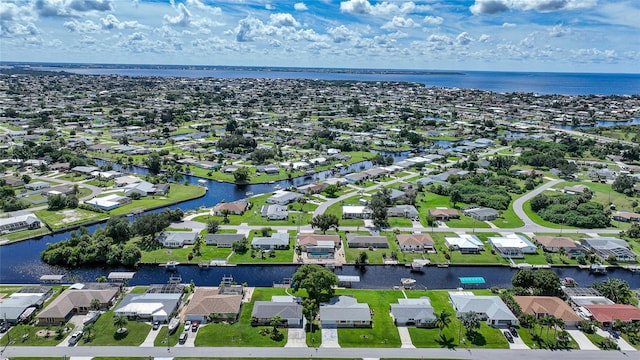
194 326
614 333
156 325
513 331
507 334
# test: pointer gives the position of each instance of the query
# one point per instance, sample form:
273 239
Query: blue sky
506 35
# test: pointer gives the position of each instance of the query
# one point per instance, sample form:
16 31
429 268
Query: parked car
156 325
194 326
183 338
513 331
187 325
75 337
508 335
3 328
614 333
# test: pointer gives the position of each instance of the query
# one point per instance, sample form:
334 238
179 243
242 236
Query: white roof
353 209
464 241
511 241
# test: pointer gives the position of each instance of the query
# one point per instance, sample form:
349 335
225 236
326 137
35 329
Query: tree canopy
317 280
325 222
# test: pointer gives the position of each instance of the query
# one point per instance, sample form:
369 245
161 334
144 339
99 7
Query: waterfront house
277 241
344 311
20 306
210 301
542 306
366 241
234 208
417 312
482 213
465 243
555 243
606 247
109 202
289 311
415 242
76 301
274 212
177 239
20 222
490 308
512 245
283 197
223 240
150 306
444 214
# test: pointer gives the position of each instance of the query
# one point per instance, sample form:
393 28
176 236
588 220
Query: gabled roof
345 308
493 306
608 313
269 309
69 299
414 239
547 305
555 242
208 300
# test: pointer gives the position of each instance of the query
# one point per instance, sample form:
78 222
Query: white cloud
91 5
283 19
399 22
364 7
110 22
433 20
342 34
484 38
508 25
67 8
269 6
86 26
300 6
464 39
16 21
559 31
183 18
497 6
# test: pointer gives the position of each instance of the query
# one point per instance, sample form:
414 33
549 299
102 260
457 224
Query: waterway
600 123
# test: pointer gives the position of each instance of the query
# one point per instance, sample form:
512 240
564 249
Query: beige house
74 302
212 301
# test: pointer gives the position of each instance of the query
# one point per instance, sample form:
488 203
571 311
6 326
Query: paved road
230 352
518 203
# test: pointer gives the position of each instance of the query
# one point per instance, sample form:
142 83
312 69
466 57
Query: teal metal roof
472 280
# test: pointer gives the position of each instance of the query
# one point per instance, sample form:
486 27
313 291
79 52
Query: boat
173 325
277 187
249 193
202 182
408 283
171 265
443 265
598 269
568 282
91 317
418 264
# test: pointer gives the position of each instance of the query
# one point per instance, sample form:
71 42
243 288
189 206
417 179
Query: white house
418 312
109 202
177 239
345 311
20 222
356 212
491 308
465 243
276 241
512 245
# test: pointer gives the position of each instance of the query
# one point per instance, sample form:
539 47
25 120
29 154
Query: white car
187 325
75 337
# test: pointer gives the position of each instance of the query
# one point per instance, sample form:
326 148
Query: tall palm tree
120 321
443 320
559 323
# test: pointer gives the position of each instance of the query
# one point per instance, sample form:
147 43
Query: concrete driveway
296 338
622 344
76 320
582 340
405 338
330 338
151 337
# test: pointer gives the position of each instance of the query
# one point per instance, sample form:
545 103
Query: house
626 216
415 242
356 212
223 240
234 208
13 181
575 189
289 311
276 241
482 213
109 202
37 185
542 306
20 306
443 214
406 211
177 239
606 247
465 243
143 188
150 306
555 243
512 245
607 314
270 169
207 301
60 190
76 301
345 311
366 241
275 212
491 308
86 170
21 222
310 240
283 197
310 189
356 177
126 180
418 312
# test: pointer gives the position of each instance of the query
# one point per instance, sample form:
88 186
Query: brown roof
73 298
626 215
236 206
555 242
414 239
207 300
312 239
447 212
547 305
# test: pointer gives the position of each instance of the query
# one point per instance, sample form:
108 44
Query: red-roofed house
607 314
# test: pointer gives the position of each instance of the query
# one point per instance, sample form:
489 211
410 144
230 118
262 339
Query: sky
601 36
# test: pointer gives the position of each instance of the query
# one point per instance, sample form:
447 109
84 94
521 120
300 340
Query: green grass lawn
336 209
68 217
25 234
241 333
399 222
534 340
177 193
467 222
161 338
484 257
508 219
383 333
163 255
105 333
25 335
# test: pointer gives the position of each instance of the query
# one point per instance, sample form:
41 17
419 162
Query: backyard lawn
105 333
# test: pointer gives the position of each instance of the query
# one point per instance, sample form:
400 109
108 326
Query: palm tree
443 320
89 329
120 321
225 213
559 323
